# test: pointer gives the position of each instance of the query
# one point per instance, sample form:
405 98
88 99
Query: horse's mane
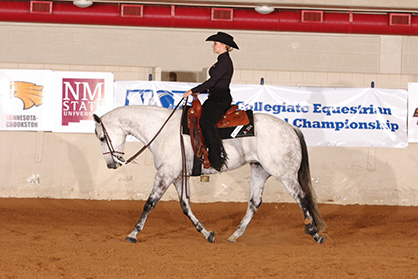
134 109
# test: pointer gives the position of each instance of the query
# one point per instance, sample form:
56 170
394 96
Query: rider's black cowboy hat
223 38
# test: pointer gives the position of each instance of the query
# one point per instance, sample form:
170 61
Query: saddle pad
227 132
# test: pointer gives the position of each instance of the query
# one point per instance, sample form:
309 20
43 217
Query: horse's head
112 140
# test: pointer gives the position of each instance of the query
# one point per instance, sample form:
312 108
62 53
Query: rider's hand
187 93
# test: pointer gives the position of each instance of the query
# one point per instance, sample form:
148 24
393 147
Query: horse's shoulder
142 108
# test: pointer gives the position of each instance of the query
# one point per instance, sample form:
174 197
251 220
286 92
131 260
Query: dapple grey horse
277 149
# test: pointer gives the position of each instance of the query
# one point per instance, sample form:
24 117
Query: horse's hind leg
258 179
305 202
310 226
187 210
160 187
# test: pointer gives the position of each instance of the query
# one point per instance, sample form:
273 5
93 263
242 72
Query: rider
219 99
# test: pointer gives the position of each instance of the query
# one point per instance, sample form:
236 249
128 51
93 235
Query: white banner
351 117
338 116
25 100
413 112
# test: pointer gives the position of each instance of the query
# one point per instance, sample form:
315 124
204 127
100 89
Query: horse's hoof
232 240
321 239
131 239
211 237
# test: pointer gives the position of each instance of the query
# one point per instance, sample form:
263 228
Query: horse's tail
304 178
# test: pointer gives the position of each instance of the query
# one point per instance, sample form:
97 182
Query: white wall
71 165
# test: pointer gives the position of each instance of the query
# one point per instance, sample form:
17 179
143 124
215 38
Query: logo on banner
29 93
80 99
416 114
31 96
146 97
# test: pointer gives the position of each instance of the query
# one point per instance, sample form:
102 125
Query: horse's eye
102 139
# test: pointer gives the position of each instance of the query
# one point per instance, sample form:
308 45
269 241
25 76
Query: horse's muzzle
112 165
116 162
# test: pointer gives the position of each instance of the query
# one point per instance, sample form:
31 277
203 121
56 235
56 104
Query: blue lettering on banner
317 108
329 110
275 109
347 124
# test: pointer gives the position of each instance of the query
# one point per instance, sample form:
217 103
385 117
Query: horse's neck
142 122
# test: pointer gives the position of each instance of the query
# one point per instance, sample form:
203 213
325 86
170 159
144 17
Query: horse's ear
97 119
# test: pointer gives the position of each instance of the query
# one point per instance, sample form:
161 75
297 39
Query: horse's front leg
185 205
258 179
160 187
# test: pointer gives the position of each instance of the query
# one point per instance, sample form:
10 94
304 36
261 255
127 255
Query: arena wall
59 165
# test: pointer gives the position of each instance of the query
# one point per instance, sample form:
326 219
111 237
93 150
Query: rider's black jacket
220 75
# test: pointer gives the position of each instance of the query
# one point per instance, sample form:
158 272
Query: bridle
117 155
117 159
